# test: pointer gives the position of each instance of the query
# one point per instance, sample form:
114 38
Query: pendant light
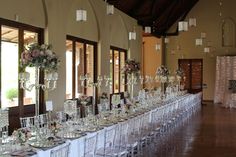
183 26
148 29
81 15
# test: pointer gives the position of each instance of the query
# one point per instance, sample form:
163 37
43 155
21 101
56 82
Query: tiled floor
209 133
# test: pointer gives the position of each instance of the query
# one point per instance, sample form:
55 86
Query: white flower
41 53
44 60
53 63
49 52
43 46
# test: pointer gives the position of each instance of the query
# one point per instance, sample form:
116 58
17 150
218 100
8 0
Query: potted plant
12 94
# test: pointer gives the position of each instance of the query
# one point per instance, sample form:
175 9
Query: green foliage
12 93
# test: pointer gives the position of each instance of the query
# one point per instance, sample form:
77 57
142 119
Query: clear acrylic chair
61 152
110 149
90 144
27 122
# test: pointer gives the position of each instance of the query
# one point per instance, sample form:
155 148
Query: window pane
90 66
9 67
69 62
29 96
122 76
116 71
111 71
79 68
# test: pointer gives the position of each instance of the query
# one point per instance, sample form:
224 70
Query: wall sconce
81 15
147 29
192 22
199 42
158 47
166 40
183 26
110 9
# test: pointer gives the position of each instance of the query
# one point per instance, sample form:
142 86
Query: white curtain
225 71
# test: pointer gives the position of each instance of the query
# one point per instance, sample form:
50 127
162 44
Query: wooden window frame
120 50
21 28
84 42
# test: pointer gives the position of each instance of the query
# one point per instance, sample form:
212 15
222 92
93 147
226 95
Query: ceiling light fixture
81 15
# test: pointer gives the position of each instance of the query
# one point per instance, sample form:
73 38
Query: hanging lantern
110 9
203 35
147 29
206 49
199 42
166 40
192 22
81 15
183 26
158 47
132 35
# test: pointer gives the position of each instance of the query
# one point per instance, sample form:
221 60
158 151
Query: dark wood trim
163 51
69 37
119 71
23 110
73 67
19 25
21 91
113 48
0 67
190 72
84 42
85 65
113 75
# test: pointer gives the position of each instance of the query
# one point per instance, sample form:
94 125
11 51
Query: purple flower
35 53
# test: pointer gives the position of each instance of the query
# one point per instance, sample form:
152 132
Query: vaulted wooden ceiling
159 14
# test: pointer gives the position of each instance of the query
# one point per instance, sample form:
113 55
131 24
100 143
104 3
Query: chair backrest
61 152
122 134
27 122
61 116
43 120
110 134
90 144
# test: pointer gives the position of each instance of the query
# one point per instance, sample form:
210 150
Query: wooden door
193 70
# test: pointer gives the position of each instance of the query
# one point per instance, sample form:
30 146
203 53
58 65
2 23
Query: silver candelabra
50 81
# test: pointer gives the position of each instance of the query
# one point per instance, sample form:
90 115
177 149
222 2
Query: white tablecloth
77 145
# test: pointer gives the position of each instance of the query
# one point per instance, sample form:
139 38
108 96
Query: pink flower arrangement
131 66
21 135
39 56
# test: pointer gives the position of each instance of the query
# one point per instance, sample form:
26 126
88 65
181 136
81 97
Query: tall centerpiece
131 69
162 74
179 75
43 59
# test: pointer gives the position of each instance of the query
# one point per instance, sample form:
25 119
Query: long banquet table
77 145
